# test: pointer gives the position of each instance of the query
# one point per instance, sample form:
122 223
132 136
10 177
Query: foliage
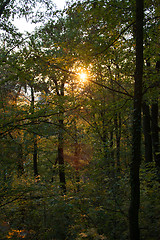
44 105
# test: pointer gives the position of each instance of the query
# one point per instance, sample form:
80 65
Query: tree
136 157
60 157
81 132
35 145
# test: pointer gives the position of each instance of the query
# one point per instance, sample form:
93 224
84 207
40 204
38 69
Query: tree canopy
79 122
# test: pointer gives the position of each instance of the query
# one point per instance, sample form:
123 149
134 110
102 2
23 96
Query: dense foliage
68 95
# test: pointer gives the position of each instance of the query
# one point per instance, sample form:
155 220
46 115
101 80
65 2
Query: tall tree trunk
76 155
76 145
155 136
136 150
35 155
61 157
147 133
155 130
117 123
111 148
62 179
34 139
147 126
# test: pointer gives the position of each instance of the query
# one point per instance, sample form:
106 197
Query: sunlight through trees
79 121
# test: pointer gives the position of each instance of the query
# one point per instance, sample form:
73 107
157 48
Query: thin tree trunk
35 155
76 155
61 157
117 123
155 136
134 230
34 139
111 148
147 133
76 146
61 140
155 129
147 126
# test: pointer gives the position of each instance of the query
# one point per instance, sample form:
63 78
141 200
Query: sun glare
83 76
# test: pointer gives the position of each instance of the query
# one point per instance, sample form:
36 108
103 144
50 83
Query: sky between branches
24 26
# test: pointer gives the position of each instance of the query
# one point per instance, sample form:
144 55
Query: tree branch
111 89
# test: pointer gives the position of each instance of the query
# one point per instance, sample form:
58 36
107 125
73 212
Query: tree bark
134 230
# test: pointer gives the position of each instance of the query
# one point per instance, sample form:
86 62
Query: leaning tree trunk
136 150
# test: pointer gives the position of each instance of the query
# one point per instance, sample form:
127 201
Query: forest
79 122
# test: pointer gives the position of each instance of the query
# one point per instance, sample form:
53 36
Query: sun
83 76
